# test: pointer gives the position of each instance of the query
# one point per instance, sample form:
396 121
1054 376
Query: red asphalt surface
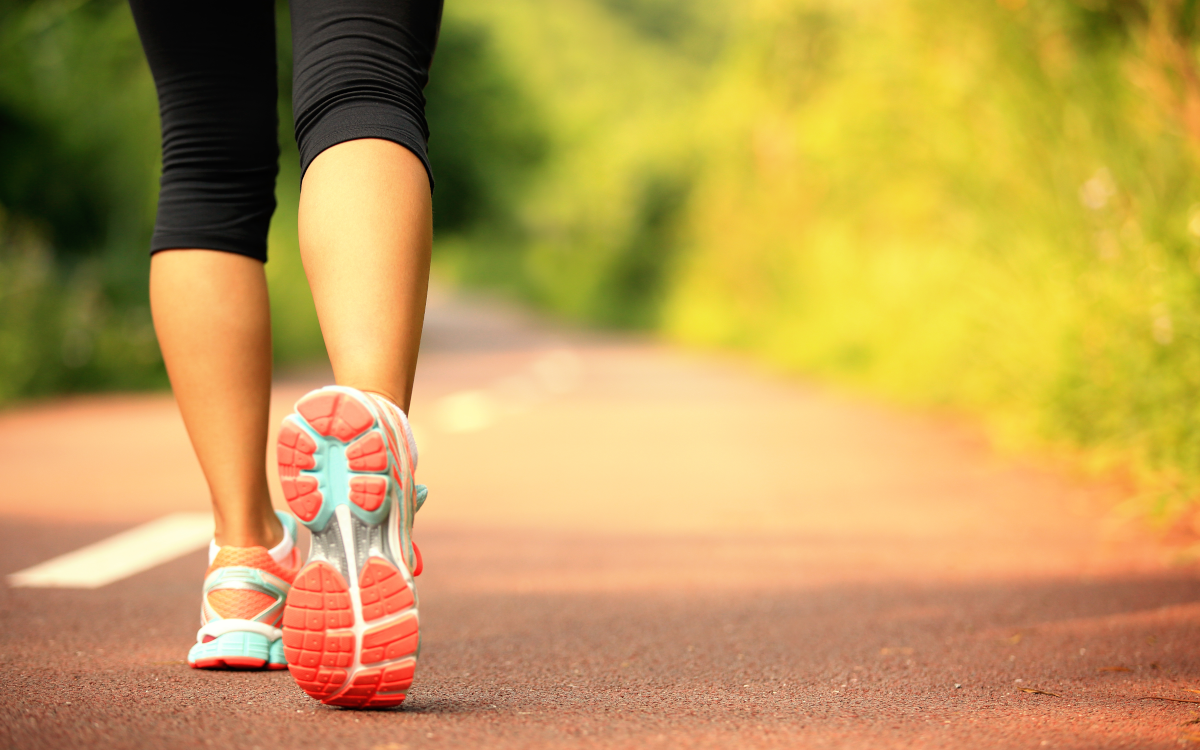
629 546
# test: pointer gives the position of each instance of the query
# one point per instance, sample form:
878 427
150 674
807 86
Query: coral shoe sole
351 630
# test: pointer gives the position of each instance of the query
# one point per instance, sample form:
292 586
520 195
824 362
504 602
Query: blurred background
987 208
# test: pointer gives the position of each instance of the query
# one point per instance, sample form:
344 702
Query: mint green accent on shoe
277 659
238 647
289 523
252 579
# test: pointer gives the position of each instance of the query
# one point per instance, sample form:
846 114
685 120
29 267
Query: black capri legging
359 70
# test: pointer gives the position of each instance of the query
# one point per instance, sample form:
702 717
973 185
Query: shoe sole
237 651
350 626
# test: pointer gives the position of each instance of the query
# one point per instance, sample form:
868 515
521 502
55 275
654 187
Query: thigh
359 70
214 68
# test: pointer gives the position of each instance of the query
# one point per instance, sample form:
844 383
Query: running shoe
242 610
350 628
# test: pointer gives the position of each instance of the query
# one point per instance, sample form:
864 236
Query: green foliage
487 138
76 200
989 207
607 90
983 207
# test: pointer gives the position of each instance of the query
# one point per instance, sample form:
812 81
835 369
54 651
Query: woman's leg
214 69
214 328
346 457
366 229
365 208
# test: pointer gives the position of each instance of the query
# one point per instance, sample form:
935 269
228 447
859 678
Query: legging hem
250 248
315 144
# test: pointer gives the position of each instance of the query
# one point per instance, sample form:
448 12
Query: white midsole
221 627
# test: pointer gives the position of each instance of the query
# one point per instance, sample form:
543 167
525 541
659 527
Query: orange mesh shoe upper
256 557
245 583
239 604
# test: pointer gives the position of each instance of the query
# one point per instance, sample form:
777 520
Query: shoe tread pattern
326 609
320 646
296 452
318 642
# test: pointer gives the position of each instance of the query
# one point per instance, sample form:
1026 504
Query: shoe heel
333 452
236 650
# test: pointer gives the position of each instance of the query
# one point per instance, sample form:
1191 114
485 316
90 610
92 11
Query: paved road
629 546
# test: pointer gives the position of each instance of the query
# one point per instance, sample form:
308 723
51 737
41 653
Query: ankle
391 399
254 532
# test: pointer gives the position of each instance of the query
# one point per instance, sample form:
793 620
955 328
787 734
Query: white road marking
122 555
